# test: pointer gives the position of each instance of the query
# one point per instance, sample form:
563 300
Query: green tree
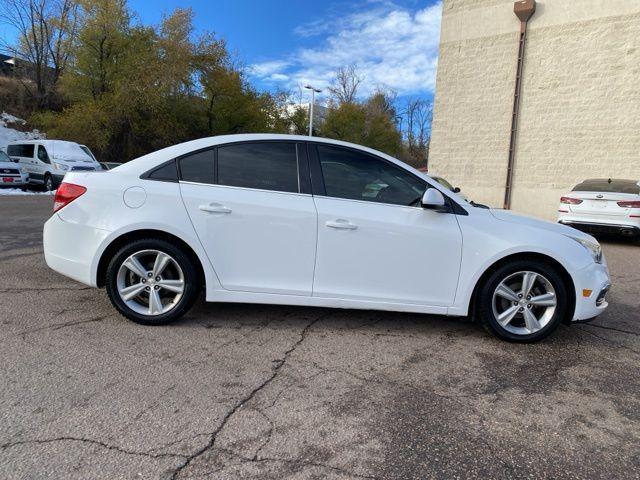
371 123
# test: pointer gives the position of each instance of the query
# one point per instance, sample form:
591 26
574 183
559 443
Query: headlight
60 166
23 170
594 248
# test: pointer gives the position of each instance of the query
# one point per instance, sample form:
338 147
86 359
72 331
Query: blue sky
285 43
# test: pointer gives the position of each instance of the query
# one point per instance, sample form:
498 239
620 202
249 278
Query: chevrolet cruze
278 219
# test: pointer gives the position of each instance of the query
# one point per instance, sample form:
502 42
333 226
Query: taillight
65 194
630 204
570 201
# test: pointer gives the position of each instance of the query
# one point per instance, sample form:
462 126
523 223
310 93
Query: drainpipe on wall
524 10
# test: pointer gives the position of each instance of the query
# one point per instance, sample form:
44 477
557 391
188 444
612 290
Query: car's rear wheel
523 301
152 282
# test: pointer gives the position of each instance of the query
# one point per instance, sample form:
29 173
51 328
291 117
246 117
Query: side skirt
297 300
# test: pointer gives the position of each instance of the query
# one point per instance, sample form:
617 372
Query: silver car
11 173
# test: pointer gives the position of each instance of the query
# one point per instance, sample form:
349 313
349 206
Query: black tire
48 184
186 264
484 301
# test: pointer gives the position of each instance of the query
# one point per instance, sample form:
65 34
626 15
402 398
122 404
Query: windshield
69 151
4 157
609 186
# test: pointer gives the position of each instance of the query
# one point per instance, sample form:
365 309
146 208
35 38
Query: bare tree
46 30
344 88
418 115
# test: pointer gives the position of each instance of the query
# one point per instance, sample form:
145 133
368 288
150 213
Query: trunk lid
601 203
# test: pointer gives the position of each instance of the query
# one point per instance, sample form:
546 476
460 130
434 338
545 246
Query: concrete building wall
580 110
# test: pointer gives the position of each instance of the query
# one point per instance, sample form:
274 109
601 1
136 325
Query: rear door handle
214 208
341 224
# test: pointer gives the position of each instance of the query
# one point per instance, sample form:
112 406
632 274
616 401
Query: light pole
313 100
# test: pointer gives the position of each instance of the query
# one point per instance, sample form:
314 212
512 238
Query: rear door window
260 165
198 167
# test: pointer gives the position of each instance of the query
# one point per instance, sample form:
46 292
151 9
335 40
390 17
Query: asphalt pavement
275 392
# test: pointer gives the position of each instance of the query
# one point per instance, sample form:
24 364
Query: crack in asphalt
455 398
277 365
612 328
616 344
116 448
59 326
295 462
265 442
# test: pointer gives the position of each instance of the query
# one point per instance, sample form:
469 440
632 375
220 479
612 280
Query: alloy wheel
150 282
524 302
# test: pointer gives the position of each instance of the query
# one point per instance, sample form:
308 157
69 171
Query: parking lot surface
270 392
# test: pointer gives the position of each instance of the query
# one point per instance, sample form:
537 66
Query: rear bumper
628 226
592 284
20 181
70 248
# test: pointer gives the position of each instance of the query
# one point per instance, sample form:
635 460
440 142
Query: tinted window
358 176
444 183
166 173
263 165
611 186
4 157
42 154
25 150
197 167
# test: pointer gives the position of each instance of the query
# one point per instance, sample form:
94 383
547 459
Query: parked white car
47 161
308 221
12 174
603 206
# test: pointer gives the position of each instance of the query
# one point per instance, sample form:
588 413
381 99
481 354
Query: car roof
152 159
39 142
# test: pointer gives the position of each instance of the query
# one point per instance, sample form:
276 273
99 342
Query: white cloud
392 47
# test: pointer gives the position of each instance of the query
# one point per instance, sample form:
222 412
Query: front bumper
70 248
592 285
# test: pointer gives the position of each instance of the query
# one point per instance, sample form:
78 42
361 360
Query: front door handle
341 224
214 208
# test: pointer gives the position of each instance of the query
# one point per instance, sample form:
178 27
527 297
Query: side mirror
456 190
433 199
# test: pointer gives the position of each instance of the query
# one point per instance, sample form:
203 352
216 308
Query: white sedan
603 206
308 221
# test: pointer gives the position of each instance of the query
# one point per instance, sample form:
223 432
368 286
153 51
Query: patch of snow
17 191
8 134
8 118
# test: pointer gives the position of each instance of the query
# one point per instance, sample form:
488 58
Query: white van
47 161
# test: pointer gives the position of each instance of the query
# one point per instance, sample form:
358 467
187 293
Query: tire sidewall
48 179
188 269
485 299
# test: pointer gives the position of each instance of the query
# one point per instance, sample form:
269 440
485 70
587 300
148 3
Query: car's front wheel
523 301
152 281
49 185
